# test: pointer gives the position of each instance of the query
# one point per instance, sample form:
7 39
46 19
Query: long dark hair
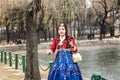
65 26
66 34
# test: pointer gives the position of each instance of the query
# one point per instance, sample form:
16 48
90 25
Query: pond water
103 60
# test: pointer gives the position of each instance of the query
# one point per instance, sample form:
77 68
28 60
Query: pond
103 60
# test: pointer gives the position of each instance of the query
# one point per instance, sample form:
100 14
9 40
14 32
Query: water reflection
104 60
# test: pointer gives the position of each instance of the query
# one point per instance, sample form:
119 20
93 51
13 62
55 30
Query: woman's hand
49 52
71 44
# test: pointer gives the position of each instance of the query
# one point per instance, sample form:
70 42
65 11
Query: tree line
81 21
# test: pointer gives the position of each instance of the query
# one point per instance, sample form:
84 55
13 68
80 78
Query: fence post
10 59
1 56
5 57
96 76
50 63
23 63
16 61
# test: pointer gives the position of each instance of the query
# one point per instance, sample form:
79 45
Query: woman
63 67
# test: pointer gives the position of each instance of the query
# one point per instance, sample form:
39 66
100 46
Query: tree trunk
112 31
100 33
53 28
78 30
45 35
74 28
49 34
32 69
8 34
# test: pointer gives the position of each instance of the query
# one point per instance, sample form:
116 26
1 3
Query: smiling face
61 30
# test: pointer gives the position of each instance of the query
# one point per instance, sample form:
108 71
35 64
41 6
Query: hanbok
63 67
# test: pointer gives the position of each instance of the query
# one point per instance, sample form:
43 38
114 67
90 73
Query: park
28 27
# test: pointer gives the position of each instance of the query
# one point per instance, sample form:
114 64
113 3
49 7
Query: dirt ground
10 73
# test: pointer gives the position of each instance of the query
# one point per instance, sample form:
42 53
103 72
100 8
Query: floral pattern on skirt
63 67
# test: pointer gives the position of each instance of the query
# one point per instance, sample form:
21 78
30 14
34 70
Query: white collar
62 38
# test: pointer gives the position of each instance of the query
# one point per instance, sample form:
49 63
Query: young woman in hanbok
63 67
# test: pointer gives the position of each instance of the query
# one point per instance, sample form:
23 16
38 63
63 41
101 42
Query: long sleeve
53 45
75 49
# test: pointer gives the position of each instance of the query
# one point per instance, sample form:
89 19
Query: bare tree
102 14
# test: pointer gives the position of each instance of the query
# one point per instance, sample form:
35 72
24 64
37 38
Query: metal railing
6 57
17 60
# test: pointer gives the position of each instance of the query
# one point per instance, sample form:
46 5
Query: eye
63 29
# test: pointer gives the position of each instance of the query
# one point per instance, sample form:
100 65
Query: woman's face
61 30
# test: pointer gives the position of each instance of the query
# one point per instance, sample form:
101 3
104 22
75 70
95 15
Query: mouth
61 33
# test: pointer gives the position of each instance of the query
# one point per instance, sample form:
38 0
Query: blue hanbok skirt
63 67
